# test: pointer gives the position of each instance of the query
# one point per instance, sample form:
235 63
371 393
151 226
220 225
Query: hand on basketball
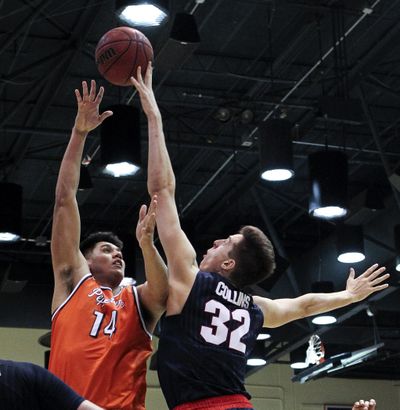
145 90
364 405
146 223
88 117
367 283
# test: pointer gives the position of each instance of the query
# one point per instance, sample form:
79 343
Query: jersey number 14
111 325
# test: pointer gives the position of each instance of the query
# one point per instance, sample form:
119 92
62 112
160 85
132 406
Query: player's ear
228 264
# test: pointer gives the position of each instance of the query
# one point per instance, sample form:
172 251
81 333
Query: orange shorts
230 402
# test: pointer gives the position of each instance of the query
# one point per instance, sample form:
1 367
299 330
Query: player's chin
120 272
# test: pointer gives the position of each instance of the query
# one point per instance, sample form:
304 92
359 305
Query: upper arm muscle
181 256
69 265
279 311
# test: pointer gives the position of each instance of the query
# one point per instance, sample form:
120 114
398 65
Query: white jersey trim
136 298
70 295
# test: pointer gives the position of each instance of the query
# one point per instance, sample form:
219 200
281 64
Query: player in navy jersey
211 324
29 386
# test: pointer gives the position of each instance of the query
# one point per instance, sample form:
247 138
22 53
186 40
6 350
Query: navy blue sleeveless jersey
203 351
28 386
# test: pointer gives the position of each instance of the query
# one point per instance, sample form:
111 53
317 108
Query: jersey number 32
219 333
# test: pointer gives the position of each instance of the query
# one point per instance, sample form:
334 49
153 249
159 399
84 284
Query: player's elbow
167 189
308 306
63 196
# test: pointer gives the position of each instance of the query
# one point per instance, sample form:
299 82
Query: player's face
215 257
106 263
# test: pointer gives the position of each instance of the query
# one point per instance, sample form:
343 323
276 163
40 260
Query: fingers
78 96
138 82
105 115
380 279
364 405
370 270
149 75
150 223
99 95
153 204
377 272
142 213
352 273
92 95
134 82
84 91
139 75
380 287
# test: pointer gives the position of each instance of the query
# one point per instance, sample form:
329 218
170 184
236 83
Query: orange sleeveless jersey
99 346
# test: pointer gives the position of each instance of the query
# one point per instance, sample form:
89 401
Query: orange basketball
120 51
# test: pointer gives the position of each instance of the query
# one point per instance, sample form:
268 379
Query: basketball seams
134 68
108 45
125 55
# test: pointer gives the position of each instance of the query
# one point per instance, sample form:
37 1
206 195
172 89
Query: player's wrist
350 297
80 131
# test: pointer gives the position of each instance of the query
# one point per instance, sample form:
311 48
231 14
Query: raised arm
69 265
180 254
153 293
281 311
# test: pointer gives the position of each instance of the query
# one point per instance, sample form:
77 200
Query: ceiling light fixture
184 29
350 243
120 141
85 180
374 198
323 287
275 147
298 358
142 13
257 356
10 212
322 320
328 184
223 114
263 336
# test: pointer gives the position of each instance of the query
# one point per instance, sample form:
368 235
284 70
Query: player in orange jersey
101 331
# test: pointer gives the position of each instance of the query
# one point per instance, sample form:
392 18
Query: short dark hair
91 240
254 256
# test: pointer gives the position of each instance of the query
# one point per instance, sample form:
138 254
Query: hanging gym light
323 286
257 356
120 141
10 212
350 243
328 184
275 147
184 29
142 13
85 180
298 358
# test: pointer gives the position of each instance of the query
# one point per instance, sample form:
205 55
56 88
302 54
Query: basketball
120 51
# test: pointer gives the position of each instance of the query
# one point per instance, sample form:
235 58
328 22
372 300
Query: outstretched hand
364 405
88 117
367 283
146 223
145 90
